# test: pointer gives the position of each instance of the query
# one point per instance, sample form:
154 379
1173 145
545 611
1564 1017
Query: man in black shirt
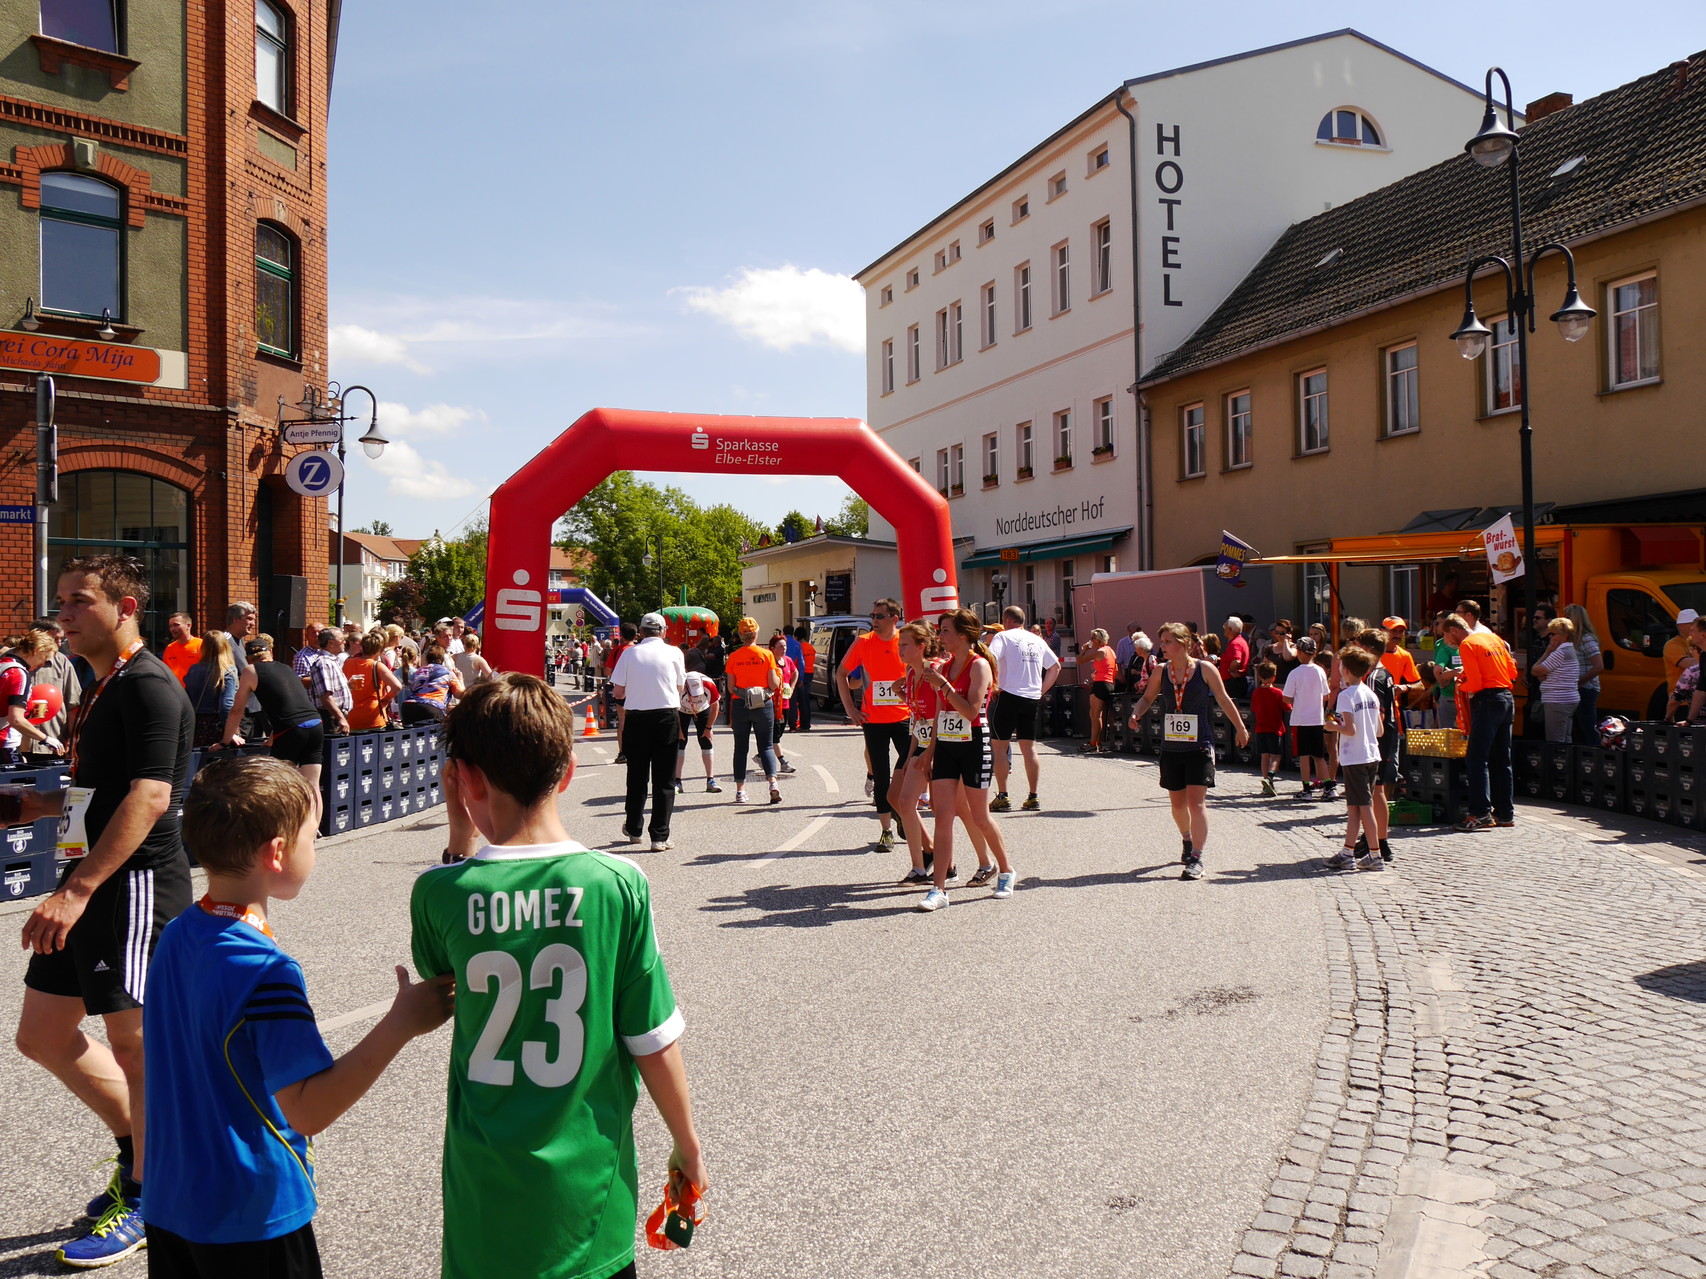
93 937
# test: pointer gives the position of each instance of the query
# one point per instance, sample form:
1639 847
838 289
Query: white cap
654 622
1687 617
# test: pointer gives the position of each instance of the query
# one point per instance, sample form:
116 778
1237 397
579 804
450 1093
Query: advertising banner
1234 554
1504 552
74 357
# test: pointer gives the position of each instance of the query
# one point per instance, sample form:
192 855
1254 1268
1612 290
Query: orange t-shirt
1486 662
180 655
884 699
368 694
749 666
810 654
1401 666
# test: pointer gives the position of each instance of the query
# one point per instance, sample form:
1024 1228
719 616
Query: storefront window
123 513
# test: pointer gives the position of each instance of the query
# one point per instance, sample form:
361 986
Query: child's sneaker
785 767
914 879
1030 805
1344 859
981 876
1330 791
118 1233
1004 883
1308 791
885 841
1268 791
740 795
1000 804
711 787
1371 861
935 899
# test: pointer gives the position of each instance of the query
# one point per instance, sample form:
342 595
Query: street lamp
1494 145
646 559
373 442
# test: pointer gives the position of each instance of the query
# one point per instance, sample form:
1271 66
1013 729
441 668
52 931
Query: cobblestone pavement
1512 1081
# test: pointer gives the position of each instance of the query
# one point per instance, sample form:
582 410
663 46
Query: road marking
812 828
599 751
350 1018
829 783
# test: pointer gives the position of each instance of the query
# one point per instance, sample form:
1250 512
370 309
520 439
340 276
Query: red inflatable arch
527 506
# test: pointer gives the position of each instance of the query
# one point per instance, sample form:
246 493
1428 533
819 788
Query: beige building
1325 399
816 577
1005 336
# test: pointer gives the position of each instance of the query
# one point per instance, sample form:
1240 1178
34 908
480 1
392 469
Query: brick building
163 214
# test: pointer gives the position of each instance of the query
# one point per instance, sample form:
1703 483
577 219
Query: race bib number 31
951 726
1179 727
886 692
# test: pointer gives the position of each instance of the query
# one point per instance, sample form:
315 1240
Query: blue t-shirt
226 1025
792 647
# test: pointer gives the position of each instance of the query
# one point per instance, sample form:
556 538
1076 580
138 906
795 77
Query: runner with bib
1188 688
963 766
881 710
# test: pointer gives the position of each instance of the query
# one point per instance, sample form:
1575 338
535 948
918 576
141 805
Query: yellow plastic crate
1437 743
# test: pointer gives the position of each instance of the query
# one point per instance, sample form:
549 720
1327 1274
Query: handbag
755 697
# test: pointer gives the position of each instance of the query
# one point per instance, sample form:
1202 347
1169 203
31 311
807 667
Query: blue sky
540 207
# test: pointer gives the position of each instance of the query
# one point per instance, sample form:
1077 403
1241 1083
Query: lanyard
230 910
1179 685
89 699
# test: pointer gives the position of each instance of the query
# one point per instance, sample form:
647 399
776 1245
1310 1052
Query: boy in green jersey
562 1007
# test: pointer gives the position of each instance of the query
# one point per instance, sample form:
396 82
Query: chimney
1551 104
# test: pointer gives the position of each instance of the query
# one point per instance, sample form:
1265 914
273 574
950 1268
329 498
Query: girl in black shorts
963 765
297 736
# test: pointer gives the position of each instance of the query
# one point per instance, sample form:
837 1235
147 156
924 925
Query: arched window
272 56
275 290
82 262
124 513
90 23
1348 127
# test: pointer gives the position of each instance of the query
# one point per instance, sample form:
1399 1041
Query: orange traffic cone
591 729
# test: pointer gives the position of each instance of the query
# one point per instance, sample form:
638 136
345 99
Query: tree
378 528
852 520
400 601
451 575
793 528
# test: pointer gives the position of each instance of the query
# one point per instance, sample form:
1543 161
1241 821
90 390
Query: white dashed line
829 783
350 1018
812 828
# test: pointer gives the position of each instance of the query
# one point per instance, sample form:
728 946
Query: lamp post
646 559
1493 146
331 412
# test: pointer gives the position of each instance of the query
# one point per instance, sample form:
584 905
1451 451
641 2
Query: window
1191 461
956 332
1062 278
917 464
1028 583
275 303
1068 573
1312 412
1403 405
988 312
123 513
888 365
1063 438
1098 160
957 468
1403 590
1102 246
953 251
941 259
272 57
1057 186
1317 595
986 232
1638 622
1022 298
912 279
1348 127
1504 374
82 263
992 457
1634 331
942 470
886 296
90 23
1237 430
912 354
1102 414
1023 450
1021 208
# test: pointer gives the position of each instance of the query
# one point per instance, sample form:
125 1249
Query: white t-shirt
1561 683
1360 703
1020 660
652 675
1306 689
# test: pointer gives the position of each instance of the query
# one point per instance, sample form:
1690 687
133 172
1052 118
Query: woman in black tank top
297 736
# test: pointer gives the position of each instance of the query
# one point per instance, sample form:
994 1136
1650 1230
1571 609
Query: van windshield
1688 595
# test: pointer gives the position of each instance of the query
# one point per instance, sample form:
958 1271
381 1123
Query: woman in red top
1104 672
918 648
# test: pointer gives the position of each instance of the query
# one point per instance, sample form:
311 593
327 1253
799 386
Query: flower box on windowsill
1063 463
1102 452
1023 473
956 490
991 481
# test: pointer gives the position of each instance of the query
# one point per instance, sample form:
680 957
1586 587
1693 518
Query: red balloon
44 703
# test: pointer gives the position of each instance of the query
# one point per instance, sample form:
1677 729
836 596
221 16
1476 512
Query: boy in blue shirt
238 1078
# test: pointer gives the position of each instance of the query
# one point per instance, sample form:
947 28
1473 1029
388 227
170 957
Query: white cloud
358 345
784 307
434 419
479 322
408 474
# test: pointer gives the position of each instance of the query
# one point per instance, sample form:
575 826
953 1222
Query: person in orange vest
1488 680
801 706
185 649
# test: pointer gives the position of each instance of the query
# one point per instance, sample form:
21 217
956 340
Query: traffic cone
591 729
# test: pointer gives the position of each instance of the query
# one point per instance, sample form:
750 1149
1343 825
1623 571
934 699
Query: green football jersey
559 986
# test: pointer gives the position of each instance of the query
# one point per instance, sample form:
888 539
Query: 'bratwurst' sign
73 357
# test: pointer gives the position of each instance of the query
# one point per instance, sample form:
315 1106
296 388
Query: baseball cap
747 626
653 622
1394 623
1687 617
1305 645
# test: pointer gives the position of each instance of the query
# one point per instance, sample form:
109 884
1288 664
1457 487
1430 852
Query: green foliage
451 575
379 528
620 523
852 520
400 601
794 522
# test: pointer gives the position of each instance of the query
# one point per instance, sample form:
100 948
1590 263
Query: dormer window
1346 126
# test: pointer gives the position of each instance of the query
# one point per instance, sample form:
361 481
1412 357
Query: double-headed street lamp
330 411
646 559
1498 144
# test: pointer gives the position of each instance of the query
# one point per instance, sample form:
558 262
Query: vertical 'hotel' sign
1169 181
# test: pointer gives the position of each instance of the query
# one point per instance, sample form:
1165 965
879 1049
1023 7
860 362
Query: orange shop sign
73 357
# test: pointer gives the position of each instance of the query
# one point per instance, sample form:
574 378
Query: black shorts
1359 783
699 722
305 744
105 958
1180 769
292 1256
1269 744
1311 740
1103 689
969 763
1387 774
1014 717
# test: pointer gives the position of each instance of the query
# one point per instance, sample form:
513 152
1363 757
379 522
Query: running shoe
981 876
679 788
935 899
786 767
661 845
630 837
1004 883
112 1194
711 787
914 879
1185 854
118 1233
1000 804
740 795
1469 825
1031 805
1371 861
953 874
1308 792
1268 790
885 841
621 759
870 786
1344 859
775 795
1504 822
1193 867
1330 791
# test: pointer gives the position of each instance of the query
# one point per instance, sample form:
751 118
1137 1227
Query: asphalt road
1095 1077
